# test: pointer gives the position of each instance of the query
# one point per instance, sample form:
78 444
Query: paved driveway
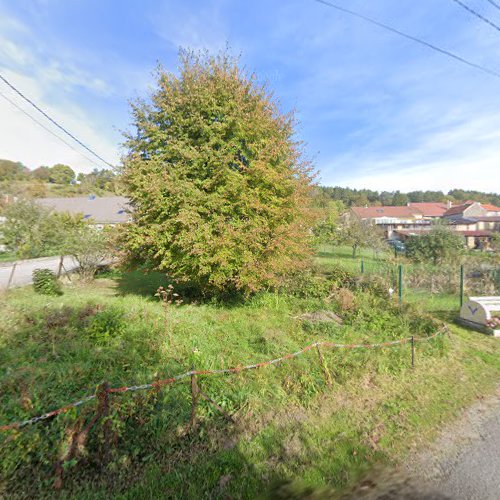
24 269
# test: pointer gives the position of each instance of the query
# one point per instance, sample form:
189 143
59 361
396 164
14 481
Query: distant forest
361 197
58 180
61 180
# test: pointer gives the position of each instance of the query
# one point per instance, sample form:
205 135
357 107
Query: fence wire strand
237 369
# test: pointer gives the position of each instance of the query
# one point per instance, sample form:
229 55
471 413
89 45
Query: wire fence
238 369
435 280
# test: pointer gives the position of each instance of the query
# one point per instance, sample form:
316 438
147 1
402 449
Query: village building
431 210
391 219
99 211
475 221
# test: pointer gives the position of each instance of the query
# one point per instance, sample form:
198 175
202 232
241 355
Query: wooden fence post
412 351
195 392
326 373
59 269
400 284
103 412
462 285
11 277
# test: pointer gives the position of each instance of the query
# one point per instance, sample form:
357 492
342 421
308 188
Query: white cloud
24 140
52 84
200 28
463 152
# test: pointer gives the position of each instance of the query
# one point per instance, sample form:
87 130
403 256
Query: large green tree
61 174
358 233
33 231
439 245
217 181
12 170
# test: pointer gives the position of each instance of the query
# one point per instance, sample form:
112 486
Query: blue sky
375 110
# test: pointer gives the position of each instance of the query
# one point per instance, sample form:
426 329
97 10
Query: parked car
398 245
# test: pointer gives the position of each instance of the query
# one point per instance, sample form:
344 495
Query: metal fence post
400 283
462 285
362 265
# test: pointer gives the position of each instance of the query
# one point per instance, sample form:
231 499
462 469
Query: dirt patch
321 317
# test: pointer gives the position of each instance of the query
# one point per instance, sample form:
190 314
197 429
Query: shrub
340 277
90 248
105 324
377 285
439 245
34 231
306 284
45 282
344 298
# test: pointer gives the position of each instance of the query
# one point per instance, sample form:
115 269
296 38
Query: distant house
391 219
473 238
471 209
476 222
466 210
430 210
100 211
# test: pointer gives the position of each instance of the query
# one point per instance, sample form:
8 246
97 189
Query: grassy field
7 257
291 429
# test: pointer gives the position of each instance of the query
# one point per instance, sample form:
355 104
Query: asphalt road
464 463
24 269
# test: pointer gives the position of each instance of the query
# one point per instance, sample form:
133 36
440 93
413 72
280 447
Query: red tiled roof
399 212
457 209
430 209
490 208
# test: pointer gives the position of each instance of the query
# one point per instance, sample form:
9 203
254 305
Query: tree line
17 179
361 197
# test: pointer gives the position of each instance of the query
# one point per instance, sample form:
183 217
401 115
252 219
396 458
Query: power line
54 122
48 130
494 4
409 37
477 14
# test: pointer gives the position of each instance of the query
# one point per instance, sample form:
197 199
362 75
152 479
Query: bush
31 230
376 285
340 277
90 248
439 245
306 284
45 282
105 324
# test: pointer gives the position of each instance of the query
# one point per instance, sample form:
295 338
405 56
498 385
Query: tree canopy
61 174
12 170
439 245
33 231
217 181
360 197
358 233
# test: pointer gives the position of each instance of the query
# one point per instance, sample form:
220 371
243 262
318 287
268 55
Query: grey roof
103 210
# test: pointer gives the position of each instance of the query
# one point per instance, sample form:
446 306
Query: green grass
7 257
290 426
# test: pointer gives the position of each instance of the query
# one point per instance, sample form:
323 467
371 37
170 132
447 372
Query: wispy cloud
375 110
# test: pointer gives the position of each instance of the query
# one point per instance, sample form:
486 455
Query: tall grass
290 423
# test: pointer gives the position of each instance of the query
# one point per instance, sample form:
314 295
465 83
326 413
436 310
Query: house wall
474 210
